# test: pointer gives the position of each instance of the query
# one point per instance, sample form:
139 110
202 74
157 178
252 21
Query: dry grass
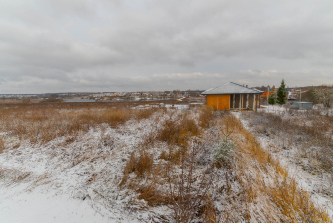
147 189
293 203
41 125
175 177
19 101
188 193
2 145
205 116
209 211
141 174
142 165
175 132
152 195
308 131
150 181
150 192
172 155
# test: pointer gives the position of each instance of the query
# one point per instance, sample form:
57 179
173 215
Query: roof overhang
231 88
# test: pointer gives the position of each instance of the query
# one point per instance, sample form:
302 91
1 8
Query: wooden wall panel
212 101
223 102
219 102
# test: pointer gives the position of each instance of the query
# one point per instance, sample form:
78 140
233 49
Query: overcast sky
146 45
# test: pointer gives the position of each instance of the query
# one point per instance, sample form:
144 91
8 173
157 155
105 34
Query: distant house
232 96
267 94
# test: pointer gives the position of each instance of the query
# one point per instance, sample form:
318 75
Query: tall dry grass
43 124
266 179
176 131
206 114
308 131
162 184
2 145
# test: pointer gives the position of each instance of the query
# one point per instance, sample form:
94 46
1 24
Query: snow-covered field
295 151
21 205
55 182
76 179
92 174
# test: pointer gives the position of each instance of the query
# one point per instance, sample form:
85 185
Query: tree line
317 95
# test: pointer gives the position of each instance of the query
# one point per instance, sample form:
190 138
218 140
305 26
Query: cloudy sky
134 45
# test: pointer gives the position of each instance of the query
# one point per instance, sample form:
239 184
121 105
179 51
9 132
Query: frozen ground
75 181
283 110
20 205
316 184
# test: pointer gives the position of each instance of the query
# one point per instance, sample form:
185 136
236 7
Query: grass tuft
2 145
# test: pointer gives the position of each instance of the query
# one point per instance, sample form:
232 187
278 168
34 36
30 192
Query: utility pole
300 93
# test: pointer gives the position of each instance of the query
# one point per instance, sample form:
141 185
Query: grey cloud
222 32
90 80
148 44
31 47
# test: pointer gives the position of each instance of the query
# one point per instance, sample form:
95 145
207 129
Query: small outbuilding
232 96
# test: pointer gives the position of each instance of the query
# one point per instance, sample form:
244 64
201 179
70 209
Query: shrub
223 153
141 165
205 116
144 164
177 131
169 132
272 99
189 125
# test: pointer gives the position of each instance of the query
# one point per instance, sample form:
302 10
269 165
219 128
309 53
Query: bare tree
325 94
189 188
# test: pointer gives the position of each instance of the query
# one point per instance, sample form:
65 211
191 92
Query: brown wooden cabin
232 96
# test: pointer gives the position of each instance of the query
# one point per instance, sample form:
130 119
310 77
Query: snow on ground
177 106
21 206
75 181
315 184
282 110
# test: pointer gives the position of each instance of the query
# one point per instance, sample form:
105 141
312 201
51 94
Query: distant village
322 94
104 96
316 94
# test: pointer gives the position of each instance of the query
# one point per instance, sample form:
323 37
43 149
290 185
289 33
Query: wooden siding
234 101
219 102
258 101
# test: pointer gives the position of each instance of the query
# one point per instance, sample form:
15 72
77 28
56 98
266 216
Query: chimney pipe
246 85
